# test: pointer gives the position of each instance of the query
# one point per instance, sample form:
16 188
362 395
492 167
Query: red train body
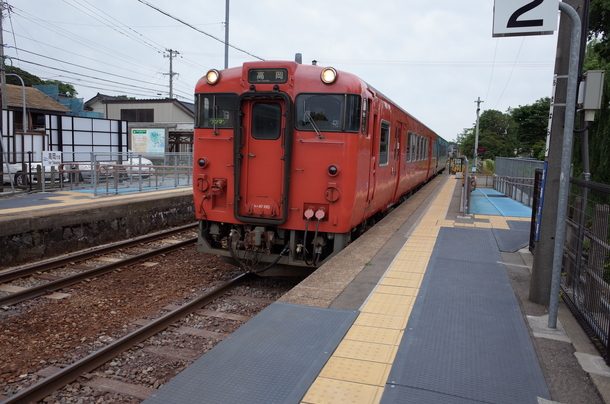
289 169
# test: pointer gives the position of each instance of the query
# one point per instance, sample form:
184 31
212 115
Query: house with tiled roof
52 126
37 103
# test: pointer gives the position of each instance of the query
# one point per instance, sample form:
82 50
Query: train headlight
333 170
212 76
329 75
202 162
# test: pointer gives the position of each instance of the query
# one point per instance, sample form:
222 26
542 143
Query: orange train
292 162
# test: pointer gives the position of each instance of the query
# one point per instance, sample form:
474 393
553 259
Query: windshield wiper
313 124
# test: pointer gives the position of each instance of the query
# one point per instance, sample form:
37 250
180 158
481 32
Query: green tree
28 79
599 27
31 80
531 126
496 136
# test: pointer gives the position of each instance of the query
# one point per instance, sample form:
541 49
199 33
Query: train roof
292 66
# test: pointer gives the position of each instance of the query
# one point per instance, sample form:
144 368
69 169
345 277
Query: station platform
43 225
45 202
420 309
429 306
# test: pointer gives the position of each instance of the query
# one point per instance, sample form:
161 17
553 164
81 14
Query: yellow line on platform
358 369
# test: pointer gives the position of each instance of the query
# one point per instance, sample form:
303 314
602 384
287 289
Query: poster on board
150 140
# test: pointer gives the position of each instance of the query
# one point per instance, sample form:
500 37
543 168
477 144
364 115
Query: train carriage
292 162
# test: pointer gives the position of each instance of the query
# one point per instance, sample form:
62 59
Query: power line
197 29
83 75
440 63
511 72
74 37
121 28
75 65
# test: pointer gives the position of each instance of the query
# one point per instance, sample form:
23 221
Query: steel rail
42 389
70 280
45 266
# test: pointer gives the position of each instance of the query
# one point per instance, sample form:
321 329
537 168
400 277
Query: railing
101 173
517 188
514 177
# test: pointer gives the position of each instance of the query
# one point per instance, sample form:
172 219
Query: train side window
409 136
424 151
266 120
365 110
425 148
384 138
352 113
215 110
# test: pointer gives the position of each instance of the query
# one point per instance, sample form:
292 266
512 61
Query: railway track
70 373
54 285
136 328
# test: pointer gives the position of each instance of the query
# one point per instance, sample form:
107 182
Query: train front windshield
328 112
215 110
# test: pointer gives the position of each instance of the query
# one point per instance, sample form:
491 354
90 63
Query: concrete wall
37 236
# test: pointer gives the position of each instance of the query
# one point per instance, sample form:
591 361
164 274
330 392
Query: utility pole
476 134
2 70
227 36
171 73
3 89
542 267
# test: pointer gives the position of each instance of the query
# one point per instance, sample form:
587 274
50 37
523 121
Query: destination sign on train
268 75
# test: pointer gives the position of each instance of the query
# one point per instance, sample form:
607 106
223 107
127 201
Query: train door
263 148
373 135
397 160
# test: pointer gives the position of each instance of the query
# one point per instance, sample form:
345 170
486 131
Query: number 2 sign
525 17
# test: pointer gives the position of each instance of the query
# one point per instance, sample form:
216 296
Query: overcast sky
432 58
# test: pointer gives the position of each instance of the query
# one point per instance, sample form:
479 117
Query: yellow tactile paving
358 369
366 351
389 309
411 283
363 360
374 334
327 391
380 321
397 290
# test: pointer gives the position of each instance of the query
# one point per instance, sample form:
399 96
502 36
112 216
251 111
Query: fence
98 173
514 177
585 277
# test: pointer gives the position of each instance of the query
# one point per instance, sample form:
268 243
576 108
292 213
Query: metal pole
24 119
476 133
227 36
3 90
566 157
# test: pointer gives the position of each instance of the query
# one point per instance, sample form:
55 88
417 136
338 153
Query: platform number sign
525 17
